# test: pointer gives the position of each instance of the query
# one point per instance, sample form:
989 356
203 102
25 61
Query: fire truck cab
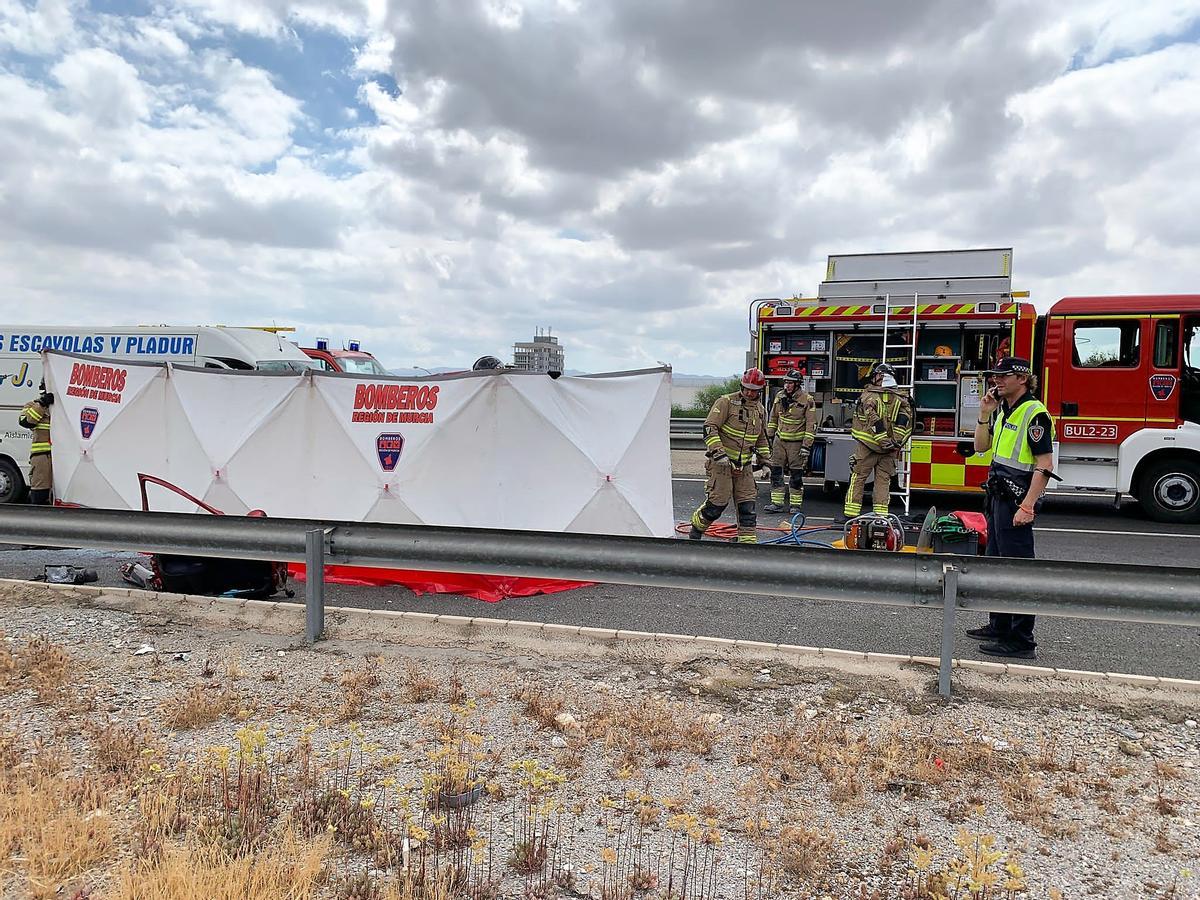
1120 375
352 359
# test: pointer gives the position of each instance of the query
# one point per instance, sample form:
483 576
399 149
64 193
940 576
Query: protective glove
803 465
46 399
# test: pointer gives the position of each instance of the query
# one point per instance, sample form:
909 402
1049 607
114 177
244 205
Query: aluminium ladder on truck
895 322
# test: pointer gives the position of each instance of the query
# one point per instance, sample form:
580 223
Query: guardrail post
949 602
314 587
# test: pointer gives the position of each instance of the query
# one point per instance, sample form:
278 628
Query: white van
210 346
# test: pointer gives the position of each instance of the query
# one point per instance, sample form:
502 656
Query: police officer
735 433
1018 430
36 417
881 426
791 429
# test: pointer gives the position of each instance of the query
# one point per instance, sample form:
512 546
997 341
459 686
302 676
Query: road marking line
1159 534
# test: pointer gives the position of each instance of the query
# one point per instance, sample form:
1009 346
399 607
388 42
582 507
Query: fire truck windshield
361 365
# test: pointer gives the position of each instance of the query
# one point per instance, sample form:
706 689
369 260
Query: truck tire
12 484
1169 491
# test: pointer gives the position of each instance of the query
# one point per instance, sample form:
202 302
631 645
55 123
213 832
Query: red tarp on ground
492 588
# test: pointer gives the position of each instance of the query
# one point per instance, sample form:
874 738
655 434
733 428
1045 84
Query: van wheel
12 485
1169 491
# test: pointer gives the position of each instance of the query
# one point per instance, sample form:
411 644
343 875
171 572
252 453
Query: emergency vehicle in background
1120 375
352 359
207 346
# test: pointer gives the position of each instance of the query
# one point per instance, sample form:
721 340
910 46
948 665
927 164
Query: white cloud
38 30
628 173
103 87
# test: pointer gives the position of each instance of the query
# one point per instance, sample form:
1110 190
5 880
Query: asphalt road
1081 529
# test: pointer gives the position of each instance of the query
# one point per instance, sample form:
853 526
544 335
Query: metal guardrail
687 434
1086 590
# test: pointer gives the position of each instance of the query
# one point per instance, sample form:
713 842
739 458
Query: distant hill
699 380
436 370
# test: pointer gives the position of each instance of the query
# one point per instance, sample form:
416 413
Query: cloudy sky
439 178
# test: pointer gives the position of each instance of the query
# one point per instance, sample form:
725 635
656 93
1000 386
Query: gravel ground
1096 795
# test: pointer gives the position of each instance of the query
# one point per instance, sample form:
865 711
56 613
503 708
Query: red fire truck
352 359
1120 375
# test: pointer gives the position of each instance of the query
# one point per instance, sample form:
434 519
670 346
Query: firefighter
1018 430
881 426
791 429
735 433
36 417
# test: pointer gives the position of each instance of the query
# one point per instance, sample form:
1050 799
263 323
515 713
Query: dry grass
53 828
8 664
652 726
121 749
294 867
418 687
802 852
357 685
197 706
541 705
1029 801
41 665
456 691
334 816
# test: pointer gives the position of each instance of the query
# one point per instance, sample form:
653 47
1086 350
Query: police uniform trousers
862 464
1006 539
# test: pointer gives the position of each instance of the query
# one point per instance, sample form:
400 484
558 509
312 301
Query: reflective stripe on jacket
36 418
882 420
793 418
737 425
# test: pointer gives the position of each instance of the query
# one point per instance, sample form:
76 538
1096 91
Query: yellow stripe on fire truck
927 309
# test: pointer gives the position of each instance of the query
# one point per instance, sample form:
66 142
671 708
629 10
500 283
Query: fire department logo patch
1036 432
388 448
1162 386
88 417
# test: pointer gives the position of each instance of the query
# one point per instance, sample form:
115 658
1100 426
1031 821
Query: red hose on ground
728 530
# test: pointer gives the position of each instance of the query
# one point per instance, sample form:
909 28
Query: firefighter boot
778 502
796 492
747 531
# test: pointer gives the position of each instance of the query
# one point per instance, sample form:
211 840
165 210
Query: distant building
542 354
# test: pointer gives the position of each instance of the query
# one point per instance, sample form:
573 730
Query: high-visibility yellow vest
1010 444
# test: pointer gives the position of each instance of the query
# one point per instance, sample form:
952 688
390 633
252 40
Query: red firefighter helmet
754 380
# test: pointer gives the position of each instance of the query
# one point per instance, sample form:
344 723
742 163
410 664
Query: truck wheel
1169 491
12 485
